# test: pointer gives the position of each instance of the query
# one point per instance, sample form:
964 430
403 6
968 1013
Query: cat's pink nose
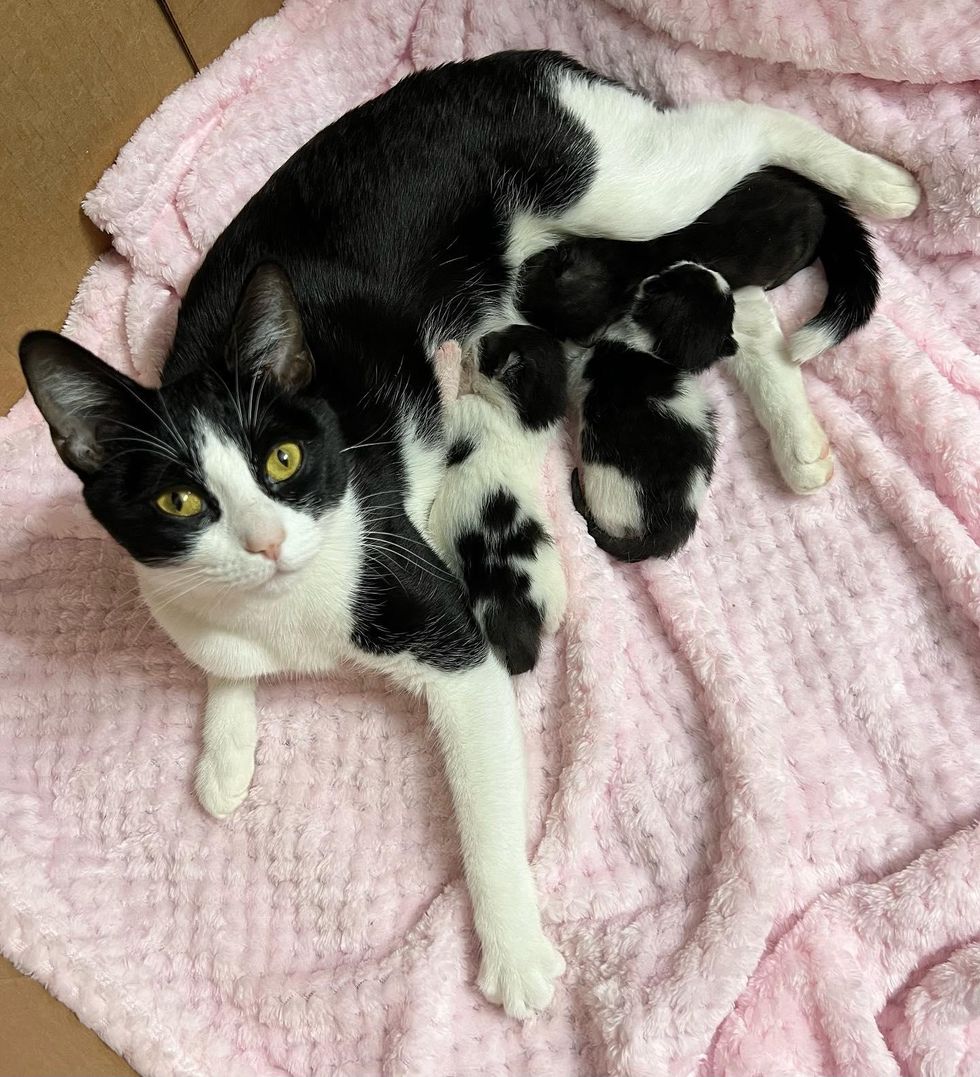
268 544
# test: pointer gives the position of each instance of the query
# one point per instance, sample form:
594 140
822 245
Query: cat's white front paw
804 458
520 974
883 189
223 777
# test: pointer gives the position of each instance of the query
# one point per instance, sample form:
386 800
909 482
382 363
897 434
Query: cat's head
687 310
523 371
569 290
228 473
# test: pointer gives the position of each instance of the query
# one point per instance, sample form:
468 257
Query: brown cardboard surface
77 79
208 27
41 1038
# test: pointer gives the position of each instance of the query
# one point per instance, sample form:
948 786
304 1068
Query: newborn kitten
488 520
647 438
764 231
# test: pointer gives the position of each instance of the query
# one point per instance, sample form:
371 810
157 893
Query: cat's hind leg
654 171
775 388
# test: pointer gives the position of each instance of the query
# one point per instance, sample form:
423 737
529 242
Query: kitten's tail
851 268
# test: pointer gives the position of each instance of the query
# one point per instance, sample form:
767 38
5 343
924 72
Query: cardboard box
78 78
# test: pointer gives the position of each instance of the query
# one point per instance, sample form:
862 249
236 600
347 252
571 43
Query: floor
38 1036
41 1038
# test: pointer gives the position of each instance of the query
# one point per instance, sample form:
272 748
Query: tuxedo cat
274 490
647 440
488 519
765 230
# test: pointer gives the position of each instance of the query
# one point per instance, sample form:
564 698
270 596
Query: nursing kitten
647 439
768 228
488 519
275 488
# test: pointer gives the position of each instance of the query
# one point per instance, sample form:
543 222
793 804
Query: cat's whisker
261 415
144 436
233 396
166 419
195 585
368 445
173 427
420 543
409 556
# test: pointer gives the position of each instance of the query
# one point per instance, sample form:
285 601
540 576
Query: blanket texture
755 769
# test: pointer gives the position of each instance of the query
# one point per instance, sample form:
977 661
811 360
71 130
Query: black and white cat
765 230
647 440
274 490
488 519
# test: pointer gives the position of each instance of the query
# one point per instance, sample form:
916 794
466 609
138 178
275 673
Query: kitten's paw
883 189
804 458
521 978
223 778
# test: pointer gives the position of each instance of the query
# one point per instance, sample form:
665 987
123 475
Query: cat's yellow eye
283 462
179 502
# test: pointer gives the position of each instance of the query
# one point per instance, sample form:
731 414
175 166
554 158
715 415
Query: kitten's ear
729 347
79 396
498 353
267 333
652 285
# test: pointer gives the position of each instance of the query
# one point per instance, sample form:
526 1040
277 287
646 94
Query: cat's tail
851 268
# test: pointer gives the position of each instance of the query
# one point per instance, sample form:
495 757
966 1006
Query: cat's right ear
78 395
267 332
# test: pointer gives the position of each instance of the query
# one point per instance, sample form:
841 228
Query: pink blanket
755 769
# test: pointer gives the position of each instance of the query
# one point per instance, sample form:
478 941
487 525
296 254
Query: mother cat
274 490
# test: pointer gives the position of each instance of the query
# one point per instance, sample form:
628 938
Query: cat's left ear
83 400
267 333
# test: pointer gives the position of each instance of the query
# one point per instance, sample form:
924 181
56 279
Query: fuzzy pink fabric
755 769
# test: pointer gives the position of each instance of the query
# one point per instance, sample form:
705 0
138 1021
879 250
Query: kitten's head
688 311
228 473
568 290
523 370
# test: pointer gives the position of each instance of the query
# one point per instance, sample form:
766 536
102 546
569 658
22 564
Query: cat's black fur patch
765 230
460 450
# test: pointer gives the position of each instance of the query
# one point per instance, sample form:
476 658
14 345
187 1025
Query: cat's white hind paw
804 458
223 777
882 189
521 978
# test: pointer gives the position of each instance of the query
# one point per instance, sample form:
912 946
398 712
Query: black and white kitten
647 440
488 519
274 490
765 230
